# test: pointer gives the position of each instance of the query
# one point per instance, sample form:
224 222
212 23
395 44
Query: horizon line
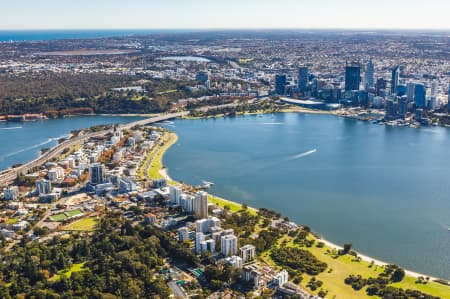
238 28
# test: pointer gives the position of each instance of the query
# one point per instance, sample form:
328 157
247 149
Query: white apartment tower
247 253
229 245
43 187
175 194
199 238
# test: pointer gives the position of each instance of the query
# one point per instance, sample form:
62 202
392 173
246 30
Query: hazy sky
115 14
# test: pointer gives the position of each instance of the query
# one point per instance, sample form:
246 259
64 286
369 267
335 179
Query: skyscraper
280 85
352 77
434 88
448 99
369 76
201 205
410 91
229 245
96 173
395 78
420 95
303 78
381 86
391 109
402 106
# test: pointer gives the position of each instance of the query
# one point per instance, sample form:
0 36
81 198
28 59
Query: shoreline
165 173
377 262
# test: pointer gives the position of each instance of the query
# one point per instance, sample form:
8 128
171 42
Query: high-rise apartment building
96 173
201 205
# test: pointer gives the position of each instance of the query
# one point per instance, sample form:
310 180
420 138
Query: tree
398 275
347 248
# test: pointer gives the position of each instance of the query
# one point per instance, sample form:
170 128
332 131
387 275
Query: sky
224 14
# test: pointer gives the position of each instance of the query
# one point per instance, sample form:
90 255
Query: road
8 176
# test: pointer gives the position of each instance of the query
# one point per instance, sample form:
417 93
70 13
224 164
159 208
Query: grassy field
66 215
58 217
432 288
85 224
167 91
234 206
158 153
74 213
68 272
340 267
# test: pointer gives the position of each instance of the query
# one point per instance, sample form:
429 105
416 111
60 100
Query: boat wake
273 123
169 125
32 147
11 128
301 155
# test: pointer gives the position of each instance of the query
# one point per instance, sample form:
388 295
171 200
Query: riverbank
347 265
375 261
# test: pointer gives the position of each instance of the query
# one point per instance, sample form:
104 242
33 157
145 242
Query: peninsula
104 208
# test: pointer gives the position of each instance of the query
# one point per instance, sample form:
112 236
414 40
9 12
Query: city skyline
200 14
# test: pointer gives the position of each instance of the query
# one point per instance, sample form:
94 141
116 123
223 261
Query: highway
9 175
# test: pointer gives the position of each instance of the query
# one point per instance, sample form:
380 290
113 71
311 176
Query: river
384 189
22 141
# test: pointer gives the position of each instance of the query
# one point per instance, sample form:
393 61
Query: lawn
234 206
158 153
341 267
432 288
167 91
68 272
74 213
85 224
12 221
58 217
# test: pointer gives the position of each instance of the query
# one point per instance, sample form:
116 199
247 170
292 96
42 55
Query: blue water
386 190
36 35
22 142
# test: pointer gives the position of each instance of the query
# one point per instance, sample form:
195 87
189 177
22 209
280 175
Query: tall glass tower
352 76
369 76
303 78
395 78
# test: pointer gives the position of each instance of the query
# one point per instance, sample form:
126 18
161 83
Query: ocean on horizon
43 35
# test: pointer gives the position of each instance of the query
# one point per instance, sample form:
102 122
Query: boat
206 185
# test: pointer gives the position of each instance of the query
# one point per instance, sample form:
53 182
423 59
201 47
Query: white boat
206 184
